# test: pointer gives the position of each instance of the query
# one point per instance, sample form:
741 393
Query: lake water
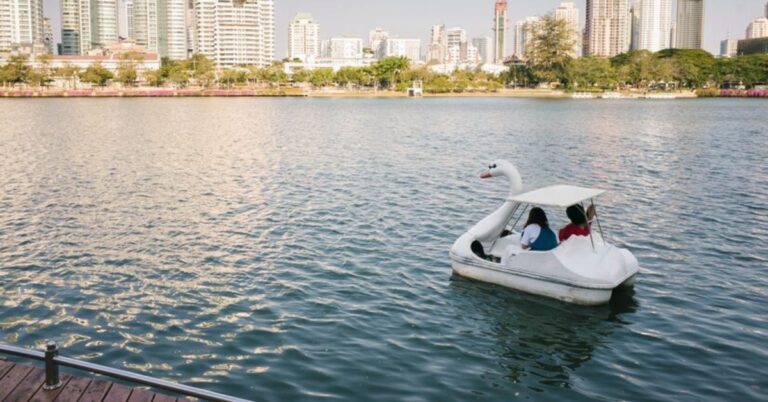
297 249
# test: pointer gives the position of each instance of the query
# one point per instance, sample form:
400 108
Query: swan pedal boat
581 270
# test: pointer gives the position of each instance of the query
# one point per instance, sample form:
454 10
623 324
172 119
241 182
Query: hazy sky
413 18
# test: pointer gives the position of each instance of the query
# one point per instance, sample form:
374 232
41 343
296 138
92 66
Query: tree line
548 61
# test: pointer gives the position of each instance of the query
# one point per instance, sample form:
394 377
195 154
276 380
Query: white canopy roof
557 196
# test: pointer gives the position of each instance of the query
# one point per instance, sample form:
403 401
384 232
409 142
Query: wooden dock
22 383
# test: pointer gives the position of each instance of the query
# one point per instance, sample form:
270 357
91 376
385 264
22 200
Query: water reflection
540 342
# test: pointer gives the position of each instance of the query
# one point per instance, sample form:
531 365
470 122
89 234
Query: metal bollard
51 368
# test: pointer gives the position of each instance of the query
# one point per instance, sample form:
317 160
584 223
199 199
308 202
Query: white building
21 22
484 47
345 48
729 47
75 27
655 25
103 22
128 13
303 37
524 31
457 45
690 24
570 14
144 24
376 38
438 44
758 28
235 32
409 48
160 26
110 57
607 31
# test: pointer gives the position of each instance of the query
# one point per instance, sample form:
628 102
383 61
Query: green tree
202 68
231 77
388 70
96 74
301 75
694 67
70 73
321 77
154 77
592 72
16 70
550 49
349 76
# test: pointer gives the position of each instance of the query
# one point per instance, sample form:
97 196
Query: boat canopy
557 196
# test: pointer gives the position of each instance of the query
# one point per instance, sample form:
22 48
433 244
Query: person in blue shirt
537 236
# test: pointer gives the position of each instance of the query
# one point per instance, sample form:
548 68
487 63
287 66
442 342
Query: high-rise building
345 48
484 47
75 27
690 24
607 32
634 20
438 44
758 28
570 14
160 26
655 24
303 37
409 48
48 35
524 32
129 18
235 32
103 22
500 28
457 45
728 47
21 22
376 39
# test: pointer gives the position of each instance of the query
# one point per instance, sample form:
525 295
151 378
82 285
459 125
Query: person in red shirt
579 225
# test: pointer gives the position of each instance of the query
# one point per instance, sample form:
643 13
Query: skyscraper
160 26
21 22
570 14
75 27
129 18
484 48
408 48
634 20
728 47
655 25
607 32
144 24
303 37
376 39
103 22
758 28
438 44
235 32
48 35
690 24
500 28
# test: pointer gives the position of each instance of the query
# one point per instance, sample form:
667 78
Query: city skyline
342 17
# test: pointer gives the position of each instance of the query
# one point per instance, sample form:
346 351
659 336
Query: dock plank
163 398
118 393
5 366
73 390
12 379
43 395
96 391
28 386
140 395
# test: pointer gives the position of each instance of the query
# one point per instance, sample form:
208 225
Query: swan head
502 168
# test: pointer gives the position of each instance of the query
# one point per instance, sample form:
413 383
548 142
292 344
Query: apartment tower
103 20
690 24
21 22
570 14
303 37
75 27
235 32
654 33
607 32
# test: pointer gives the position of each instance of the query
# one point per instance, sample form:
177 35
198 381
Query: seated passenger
537 236
579 225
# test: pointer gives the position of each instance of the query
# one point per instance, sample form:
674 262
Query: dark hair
576 214
538 217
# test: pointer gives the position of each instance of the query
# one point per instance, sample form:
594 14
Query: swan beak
486 175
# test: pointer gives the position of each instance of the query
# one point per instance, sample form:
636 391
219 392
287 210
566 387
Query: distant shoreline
327 93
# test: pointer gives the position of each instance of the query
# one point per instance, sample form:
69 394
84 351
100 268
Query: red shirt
572 230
